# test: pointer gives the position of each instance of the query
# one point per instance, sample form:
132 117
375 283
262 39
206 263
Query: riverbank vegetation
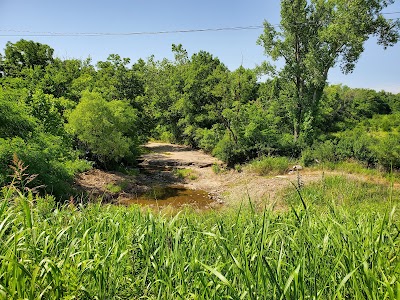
337 238
63 116
64 127
332 244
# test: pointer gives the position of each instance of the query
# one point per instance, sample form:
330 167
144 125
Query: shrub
45 155
307 157
387 151
185 173
225 150
15 118
325 152
107 129
208 138
270 165
216 168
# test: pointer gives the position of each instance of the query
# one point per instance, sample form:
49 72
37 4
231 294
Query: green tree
25 54
115 80
252 132
15 117
183 96
315 36
49 111
342 108
163 85
106 129
199 99
58 77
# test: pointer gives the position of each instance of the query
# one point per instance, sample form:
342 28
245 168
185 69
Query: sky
376 69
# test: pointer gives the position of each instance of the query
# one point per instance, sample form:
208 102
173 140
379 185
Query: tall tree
25 54
316 35
105 128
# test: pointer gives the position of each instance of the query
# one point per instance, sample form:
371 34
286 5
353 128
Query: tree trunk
297 122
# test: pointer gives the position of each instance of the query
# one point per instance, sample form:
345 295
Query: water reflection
173 196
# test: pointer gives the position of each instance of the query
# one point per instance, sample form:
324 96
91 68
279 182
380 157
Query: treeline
62 116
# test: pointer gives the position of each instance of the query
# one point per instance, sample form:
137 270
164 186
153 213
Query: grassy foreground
324 251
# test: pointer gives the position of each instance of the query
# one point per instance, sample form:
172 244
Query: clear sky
377 68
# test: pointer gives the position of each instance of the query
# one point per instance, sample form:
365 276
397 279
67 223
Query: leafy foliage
346 250
25 55
270 165
61 116
106 129
15 118
47 156
314 36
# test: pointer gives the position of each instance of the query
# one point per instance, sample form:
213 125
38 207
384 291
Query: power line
391 13
87 34
23 33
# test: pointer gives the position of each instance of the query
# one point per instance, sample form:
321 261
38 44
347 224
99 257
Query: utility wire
391 13
33 33
20 33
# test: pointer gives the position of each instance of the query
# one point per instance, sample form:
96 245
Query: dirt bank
158 168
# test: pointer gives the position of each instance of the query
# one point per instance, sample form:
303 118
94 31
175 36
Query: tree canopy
63 116
313 37
25 54
106 129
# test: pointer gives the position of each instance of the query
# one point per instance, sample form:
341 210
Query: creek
176 197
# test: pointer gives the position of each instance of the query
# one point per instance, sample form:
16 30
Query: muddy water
174 196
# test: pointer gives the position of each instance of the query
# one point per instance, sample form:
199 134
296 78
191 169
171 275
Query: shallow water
175 197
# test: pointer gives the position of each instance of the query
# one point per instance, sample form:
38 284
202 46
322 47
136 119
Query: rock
297 168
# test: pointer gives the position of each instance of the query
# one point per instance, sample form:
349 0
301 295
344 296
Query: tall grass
354 167
110 252
269 165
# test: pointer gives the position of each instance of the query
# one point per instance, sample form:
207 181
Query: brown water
174 196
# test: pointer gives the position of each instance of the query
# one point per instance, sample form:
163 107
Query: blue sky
377 68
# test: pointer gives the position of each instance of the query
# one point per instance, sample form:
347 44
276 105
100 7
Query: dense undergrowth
63 116
339 244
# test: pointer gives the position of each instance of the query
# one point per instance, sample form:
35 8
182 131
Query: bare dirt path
227 188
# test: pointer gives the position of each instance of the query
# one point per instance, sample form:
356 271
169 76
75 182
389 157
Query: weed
117 187
238 168
185 173
20 179
269 165
329 249
216 168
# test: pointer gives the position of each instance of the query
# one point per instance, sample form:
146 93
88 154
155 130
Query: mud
204 190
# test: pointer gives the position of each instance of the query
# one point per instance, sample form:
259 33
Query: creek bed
174 196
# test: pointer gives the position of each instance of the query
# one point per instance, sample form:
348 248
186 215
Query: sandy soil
227 188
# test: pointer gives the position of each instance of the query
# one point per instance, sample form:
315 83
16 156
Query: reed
114 252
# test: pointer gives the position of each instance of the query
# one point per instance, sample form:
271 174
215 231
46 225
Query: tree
25 54
342 108
106 129
15 117
315 36
199 99
114 80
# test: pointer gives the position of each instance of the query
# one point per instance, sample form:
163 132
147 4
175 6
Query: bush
45 155
325 152
387 151
226 150
207 139
106 129
356 144
307 157
185 173
270 165
216 168
15 118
